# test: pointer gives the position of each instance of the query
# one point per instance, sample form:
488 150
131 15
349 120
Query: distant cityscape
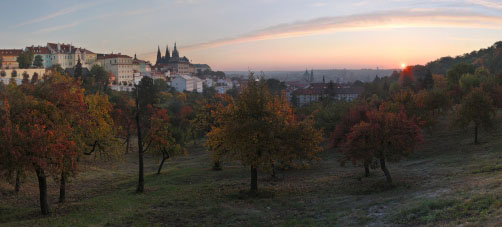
179 72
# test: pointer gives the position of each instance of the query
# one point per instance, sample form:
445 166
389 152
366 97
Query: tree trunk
127 144
254 179
62 188
366 169
165 156
216 166
385 170
17 186
476 134
141 180
273 170
42 187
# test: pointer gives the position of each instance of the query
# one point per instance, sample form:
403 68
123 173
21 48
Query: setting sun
403 65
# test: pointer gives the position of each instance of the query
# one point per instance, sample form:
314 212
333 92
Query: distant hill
336 75
490 58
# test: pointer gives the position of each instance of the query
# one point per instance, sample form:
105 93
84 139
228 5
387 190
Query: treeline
388 120
490 58
49 124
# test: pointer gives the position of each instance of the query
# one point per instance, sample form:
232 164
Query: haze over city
263 34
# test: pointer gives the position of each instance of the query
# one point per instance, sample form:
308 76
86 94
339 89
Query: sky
256 35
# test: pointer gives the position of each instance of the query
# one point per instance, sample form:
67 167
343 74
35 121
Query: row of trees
387 123
49 125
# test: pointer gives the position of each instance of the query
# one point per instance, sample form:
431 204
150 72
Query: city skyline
265 34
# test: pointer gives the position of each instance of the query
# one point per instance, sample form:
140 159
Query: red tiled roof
39 50
10 52
107 56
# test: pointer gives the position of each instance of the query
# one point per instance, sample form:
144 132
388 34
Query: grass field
450 181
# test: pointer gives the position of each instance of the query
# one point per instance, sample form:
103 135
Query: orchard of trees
48 125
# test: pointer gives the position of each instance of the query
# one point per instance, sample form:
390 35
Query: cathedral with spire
173 63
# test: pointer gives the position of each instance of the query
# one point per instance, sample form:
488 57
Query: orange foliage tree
256 129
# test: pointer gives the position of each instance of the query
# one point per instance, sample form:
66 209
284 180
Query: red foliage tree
383 136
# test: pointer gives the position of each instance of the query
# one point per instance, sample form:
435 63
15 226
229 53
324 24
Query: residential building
8 58
67 55
200 68
141 66
183 83
119 65
43 52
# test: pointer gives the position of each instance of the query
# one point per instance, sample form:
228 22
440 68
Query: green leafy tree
476 108
454 74
38 62
25 59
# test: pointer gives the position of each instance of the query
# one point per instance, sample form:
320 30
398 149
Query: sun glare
403 65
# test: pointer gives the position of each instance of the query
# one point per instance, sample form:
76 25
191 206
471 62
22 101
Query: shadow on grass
248 195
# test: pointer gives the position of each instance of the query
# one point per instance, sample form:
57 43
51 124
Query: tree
159 137
66 94
123 115
34 78
25 59
204 121
353 116
454 74
477 108
97 81
38 62
275 86
383 136
38 137
78 69
146 95
260 138
57 68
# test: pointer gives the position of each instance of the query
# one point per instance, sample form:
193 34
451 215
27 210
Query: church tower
175 52
159 56
168 55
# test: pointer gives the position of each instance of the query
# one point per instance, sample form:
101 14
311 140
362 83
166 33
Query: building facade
8 58
119 65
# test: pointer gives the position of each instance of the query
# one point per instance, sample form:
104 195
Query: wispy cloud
73 24
386 19
488 4
58 13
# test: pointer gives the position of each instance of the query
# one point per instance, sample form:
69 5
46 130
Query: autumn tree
204 120
384 136
38 138
477 108
352 117
254 129
159 137
123 115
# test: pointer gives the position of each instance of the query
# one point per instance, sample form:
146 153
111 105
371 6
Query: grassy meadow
449 181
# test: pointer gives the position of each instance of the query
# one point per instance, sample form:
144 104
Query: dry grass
450 181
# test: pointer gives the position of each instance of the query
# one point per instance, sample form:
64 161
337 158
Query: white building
199 84
187 83
119 65
223 85
183 83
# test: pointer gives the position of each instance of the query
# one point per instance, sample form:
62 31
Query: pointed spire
159 55
168 55
135 57
175 52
